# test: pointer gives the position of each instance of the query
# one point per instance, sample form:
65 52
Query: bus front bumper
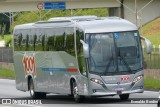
116 93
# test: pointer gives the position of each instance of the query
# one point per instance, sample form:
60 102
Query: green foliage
7 39
151 83
5 23
8 43
5 73
152 31
29 17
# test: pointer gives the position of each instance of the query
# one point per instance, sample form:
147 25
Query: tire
33 94
78 98
124 96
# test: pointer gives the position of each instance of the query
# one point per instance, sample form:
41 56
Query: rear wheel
78 98
33 94
124 96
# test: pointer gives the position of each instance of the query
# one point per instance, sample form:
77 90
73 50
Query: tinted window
69 41
81 59
42 39
21 40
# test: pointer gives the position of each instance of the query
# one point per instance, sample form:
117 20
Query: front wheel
78 98
124 96
33 94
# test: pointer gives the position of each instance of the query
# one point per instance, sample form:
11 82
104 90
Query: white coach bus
79 56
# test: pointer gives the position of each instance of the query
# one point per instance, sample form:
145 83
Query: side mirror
148 45
85 49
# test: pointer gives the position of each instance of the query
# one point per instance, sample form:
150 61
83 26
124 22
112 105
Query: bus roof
106 25
89 24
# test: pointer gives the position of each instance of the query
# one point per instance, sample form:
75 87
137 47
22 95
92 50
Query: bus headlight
96 81
137 79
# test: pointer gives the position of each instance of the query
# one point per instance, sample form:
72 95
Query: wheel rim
31 90
75 91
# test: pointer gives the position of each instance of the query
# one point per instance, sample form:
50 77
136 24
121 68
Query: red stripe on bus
72 69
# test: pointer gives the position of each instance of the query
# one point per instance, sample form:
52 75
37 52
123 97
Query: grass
5 73
152 62
152 31
151 83
6 38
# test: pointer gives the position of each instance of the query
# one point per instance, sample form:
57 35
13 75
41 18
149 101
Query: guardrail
6 55
152 61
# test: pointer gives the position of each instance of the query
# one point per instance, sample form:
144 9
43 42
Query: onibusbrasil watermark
20 101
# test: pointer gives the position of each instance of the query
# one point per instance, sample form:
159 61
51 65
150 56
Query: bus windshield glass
113 53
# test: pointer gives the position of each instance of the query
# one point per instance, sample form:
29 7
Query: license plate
119 92
119 88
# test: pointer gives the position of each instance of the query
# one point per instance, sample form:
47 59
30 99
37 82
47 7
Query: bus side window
50 45
59 43
26 40
59 39
81 59
15 42
27 43
70 44
18 41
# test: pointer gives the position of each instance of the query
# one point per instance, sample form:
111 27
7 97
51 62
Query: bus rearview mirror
148 45
85 49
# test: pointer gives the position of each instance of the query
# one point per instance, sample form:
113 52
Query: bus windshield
114 53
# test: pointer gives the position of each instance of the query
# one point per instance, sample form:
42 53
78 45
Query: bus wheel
78 98
33 94
124 96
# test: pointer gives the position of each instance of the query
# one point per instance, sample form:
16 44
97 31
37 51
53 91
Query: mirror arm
148 44
85 49
143 38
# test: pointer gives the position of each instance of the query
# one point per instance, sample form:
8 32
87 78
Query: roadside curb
7 78
155 90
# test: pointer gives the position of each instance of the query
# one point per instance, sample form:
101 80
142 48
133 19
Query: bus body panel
53 71
112 83
52 68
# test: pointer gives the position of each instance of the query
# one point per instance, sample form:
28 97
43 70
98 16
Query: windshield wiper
109 63
125 62
107 66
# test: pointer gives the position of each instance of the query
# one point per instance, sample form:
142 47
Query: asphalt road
8 90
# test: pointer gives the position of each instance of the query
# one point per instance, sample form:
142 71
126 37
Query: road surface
8 90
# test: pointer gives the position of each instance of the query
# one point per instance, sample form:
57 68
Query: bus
79 56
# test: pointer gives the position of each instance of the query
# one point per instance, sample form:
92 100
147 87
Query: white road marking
151 91
5 106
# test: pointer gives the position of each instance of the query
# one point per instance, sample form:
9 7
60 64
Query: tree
4 23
